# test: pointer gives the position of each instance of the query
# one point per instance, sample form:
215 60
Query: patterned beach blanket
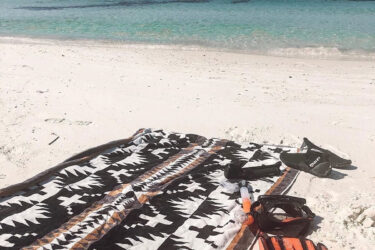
154 190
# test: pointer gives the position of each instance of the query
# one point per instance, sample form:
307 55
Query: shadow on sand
315 224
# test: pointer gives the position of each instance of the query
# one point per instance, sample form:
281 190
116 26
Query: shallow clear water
257 25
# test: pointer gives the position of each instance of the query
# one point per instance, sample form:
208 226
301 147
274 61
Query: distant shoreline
323 53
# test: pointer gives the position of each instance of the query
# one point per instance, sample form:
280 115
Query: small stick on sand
54 140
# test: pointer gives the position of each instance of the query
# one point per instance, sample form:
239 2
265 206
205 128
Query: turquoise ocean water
265 26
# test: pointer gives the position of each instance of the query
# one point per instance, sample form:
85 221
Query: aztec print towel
154 190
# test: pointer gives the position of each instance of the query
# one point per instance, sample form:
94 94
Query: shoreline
58 99
314 53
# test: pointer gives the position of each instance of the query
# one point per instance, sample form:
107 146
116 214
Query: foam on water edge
308 52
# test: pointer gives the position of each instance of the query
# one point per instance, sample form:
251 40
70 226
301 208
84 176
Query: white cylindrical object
244 193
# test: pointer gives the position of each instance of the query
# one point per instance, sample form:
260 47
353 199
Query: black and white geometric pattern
157 190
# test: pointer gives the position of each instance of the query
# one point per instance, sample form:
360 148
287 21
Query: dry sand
85 94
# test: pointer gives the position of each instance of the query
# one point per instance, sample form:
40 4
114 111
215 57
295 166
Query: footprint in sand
68 122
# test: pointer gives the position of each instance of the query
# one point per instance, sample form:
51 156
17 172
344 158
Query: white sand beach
58 98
